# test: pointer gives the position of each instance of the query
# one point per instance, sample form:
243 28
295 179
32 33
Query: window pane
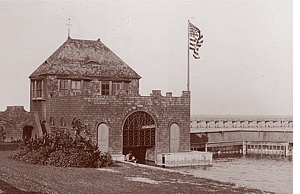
33 85
33 89
64 87
126 87
73 84
39 93
62 84
105 88
39 89
79 85
116 88
39 85
76 87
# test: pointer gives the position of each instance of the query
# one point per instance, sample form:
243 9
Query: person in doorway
130 158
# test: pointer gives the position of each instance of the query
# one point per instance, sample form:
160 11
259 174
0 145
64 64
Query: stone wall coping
256 129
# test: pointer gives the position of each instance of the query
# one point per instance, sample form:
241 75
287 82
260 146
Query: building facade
84 79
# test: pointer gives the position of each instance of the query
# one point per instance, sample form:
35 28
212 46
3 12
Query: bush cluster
59 148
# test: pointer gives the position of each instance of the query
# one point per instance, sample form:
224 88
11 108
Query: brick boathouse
84 79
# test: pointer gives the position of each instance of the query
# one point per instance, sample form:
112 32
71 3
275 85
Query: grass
121 178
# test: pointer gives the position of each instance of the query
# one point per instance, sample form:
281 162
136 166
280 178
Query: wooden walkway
246 147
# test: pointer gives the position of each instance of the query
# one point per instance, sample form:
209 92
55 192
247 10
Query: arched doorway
27 132
103 137
139 135
174 137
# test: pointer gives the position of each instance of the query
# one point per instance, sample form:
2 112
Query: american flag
196 40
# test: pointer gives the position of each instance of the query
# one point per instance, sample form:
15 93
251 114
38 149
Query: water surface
273 174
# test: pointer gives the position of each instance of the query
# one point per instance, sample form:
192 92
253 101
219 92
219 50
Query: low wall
118 157
184 159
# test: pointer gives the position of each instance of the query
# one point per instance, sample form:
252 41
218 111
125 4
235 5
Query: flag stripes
196 40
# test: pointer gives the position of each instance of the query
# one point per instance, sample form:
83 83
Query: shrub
59 148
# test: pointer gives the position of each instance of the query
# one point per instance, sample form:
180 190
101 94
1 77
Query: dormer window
37 89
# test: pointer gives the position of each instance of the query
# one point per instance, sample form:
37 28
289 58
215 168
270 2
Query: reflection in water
273 174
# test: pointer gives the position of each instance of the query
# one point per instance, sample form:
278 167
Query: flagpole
188 67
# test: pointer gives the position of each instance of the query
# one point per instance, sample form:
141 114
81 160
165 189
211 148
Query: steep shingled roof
85 58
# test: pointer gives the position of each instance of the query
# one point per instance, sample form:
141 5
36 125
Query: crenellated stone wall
12 122
113 111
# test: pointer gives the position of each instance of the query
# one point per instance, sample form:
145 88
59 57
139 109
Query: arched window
63 122
174 137
103 137
51 122
74 120
139 130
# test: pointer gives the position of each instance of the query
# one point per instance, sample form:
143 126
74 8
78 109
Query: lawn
19 177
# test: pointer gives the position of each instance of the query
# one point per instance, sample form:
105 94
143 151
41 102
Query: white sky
246 64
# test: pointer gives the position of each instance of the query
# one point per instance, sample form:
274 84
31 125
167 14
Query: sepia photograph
146 97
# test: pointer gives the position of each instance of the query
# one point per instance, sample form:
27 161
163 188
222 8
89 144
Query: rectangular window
76 87
126 87
37 89
116 86
33 90
105 88
64 87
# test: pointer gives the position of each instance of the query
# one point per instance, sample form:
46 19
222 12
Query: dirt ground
18 177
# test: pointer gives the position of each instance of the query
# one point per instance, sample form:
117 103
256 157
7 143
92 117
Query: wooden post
286 149
205 147
244 148
280 150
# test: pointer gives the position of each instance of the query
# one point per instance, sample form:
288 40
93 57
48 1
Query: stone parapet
284 122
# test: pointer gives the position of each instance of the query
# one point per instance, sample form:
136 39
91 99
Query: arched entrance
27 132
103 137
139 135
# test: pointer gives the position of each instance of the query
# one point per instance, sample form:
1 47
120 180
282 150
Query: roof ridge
73 53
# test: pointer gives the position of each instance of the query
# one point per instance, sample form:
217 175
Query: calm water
264 173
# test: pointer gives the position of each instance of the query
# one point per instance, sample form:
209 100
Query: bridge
264 134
